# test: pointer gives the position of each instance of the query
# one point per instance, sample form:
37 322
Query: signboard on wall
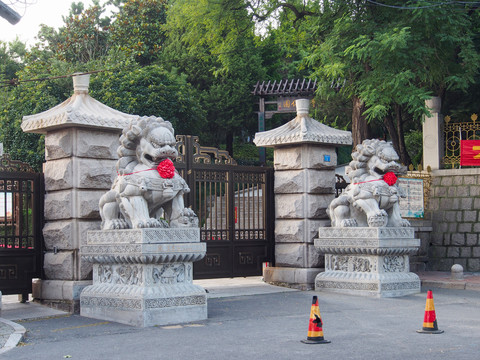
286 104
470 153
412 206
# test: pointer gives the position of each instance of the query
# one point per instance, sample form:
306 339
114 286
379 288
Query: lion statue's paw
348 223
379 219
187 218
115 224
149 223
404 223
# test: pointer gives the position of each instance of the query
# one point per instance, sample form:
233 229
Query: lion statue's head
149 141
373 158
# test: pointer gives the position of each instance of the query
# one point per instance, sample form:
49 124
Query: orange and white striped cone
430 320
315 331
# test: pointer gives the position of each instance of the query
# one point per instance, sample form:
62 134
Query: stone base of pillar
368 261
59 294
144 277
143 307
297 278
375 285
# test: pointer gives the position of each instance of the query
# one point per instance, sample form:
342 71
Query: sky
34 13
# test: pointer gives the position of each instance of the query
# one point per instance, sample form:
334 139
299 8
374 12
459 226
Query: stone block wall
304 186
79 170
454 208
423 230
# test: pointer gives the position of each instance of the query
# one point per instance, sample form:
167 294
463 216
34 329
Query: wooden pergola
283 93
295 87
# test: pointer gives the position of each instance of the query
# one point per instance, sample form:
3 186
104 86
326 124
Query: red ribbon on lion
390 178
165 169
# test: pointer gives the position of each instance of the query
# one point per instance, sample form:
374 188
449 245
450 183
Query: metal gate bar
233 204
21 222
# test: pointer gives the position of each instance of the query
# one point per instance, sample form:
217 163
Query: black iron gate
234 205
21 222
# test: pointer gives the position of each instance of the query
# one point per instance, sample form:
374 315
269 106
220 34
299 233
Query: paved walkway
13 312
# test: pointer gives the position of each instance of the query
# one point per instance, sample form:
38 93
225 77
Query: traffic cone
430 319
315 331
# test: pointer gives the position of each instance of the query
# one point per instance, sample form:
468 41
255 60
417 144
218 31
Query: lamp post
10 15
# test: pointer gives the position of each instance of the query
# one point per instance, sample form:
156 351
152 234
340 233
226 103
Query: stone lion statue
372 197
148 191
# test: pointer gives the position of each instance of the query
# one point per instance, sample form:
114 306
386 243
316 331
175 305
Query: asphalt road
271 326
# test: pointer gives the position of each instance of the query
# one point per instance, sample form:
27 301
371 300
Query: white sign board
412 206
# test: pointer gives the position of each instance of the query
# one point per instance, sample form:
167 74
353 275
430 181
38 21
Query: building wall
423 231
454 208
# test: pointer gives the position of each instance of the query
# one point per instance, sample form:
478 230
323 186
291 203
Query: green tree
150 90
128 86
139 29
213 43
83 38
26 99
389 58
11 59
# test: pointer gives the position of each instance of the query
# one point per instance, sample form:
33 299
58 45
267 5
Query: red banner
470 153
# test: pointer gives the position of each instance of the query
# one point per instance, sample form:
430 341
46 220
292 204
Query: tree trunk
390 125
359 123
402 148
229 143
394 125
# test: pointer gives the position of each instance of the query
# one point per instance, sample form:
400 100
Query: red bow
166 169
390 178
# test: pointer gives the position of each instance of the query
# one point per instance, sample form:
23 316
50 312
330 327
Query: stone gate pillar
81 140
304 163
433 147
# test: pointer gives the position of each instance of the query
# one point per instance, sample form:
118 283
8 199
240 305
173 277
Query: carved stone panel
169 274
395 263
351 263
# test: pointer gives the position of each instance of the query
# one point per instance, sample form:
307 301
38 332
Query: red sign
470 153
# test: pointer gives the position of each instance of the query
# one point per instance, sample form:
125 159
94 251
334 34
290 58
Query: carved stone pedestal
368 261
143 277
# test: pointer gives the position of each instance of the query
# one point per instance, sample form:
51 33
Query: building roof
295 87
79 110
302 129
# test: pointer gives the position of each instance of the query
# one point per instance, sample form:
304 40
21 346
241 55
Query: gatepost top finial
303 105
81 82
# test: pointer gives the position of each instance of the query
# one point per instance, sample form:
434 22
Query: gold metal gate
234 205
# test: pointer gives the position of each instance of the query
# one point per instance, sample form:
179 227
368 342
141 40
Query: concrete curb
453 284
15 337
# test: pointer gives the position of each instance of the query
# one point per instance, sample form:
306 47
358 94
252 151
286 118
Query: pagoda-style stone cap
303 129
80 110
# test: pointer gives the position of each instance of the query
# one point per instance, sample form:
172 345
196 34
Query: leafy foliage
82 39
213 43
194 62
150 90
138 29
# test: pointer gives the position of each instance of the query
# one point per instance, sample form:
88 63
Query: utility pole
9 14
